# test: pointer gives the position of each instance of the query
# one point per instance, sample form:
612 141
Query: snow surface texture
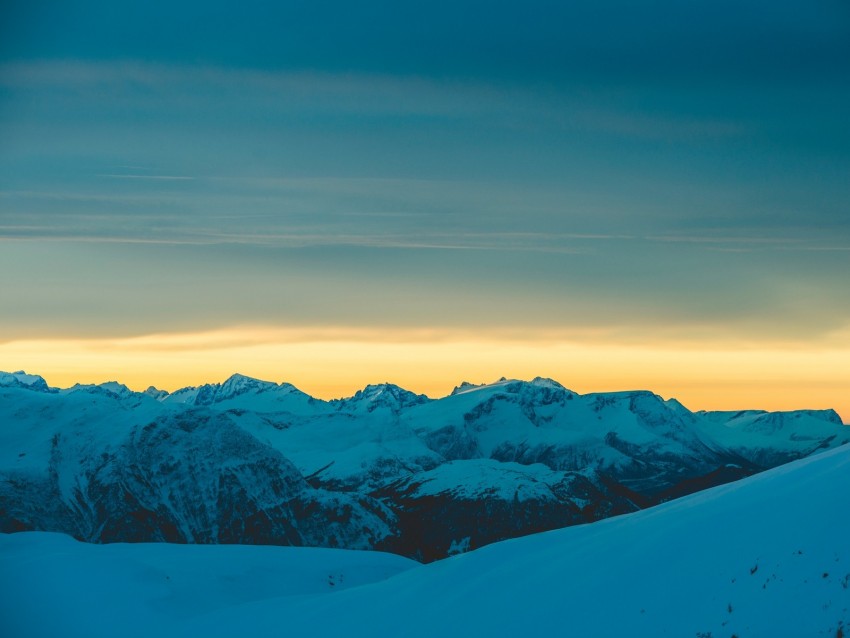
52 585
250 461
765 556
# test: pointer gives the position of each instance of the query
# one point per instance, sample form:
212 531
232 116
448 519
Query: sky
612 194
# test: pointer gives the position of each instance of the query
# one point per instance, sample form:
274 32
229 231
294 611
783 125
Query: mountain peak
237 380
109 388
156 393
380 395
21 379
233 386
465 386
546 382
249 392
512 386
237 377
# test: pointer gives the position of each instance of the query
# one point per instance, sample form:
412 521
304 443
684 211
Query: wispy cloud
153 177
276 230
342 92
212 237
723 239
746 243
515 106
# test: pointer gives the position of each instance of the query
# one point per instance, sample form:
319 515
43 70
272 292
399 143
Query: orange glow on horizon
329 363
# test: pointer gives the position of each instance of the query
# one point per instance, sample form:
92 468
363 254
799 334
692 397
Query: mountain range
255 462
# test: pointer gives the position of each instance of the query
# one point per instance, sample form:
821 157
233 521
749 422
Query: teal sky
665 169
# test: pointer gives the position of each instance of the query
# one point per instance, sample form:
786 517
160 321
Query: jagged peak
512 386
156 393
378 387
109 388
374 389
378 395
21 379
546 382
238 377
536 385
240 381
465 386
234 386
115 386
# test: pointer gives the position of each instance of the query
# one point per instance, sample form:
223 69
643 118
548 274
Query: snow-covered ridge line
256 462
239 384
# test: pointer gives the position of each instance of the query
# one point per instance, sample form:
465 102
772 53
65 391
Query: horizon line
472 387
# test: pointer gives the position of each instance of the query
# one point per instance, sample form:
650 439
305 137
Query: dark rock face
435 525
255 462
191 478
453 443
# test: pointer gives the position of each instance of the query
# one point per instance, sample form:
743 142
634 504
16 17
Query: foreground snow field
765 556
53 585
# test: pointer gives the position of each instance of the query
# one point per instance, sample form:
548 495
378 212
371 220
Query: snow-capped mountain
381 396
771 438
241 392
21 379
249 461
765 556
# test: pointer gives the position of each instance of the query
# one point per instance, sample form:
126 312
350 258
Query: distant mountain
381 396
21 379
250 461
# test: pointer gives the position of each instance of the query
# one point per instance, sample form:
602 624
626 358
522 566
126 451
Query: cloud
748 243
153 177
527 242
397 200
342 92
512 105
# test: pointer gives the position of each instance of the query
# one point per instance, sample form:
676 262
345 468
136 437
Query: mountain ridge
250 461
216 390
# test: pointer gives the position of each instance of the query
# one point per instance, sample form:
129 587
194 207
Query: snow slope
52 585
765 556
